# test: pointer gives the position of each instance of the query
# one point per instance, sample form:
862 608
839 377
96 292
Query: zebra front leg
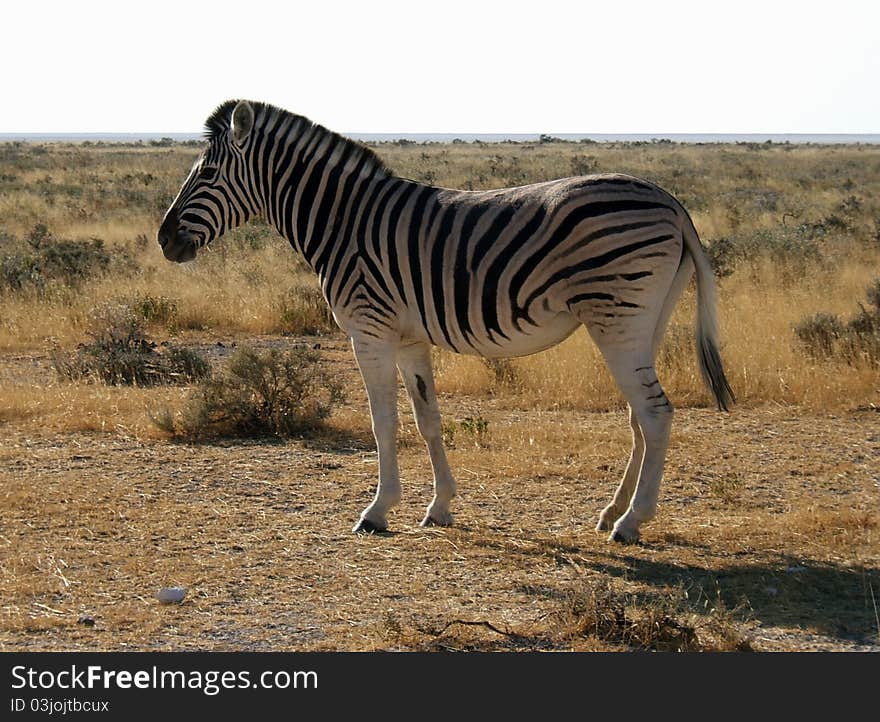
627 486
414 362
376 363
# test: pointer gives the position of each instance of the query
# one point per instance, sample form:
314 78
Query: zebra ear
242 121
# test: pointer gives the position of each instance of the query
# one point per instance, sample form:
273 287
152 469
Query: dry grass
253 284
232 289
766 537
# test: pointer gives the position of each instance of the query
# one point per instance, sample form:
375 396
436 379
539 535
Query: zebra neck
309 175
335 209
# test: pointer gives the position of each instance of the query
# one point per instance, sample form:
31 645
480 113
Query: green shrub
258 393
118 353
476 429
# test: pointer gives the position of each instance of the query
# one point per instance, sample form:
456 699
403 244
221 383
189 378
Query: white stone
171 595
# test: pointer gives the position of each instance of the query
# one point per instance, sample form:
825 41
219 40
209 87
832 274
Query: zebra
405 266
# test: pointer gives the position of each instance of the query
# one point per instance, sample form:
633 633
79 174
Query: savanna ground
767 532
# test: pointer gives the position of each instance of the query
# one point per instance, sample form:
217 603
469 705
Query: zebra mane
220 121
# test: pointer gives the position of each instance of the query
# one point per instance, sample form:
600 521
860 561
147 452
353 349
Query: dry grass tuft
663 624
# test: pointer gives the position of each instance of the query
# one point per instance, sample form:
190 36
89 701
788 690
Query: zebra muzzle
177 244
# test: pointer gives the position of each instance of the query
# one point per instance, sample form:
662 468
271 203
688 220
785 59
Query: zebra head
216 196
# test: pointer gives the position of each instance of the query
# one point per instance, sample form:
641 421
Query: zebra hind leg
651 420
376 363
627 486
414 362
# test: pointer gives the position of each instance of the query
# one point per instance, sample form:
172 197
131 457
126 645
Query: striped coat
497 273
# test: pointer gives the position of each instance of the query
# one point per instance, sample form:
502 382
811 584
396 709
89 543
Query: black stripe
441 239
391 254
611 181
594 263
375 297
416 230
351 251
570 222
461 275
493 273
378 214
609 231
307 196
322 214
356 286
337 239
502 220
332 292
307 201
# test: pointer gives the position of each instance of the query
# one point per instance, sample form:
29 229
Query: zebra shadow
776 590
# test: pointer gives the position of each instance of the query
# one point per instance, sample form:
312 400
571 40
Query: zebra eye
208 173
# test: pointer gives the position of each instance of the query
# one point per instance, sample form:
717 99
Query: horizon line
446 136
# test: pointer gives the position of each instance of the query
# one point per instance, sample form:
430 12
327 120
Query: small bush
791 251
474 428
819 334
503 372
665 624
156 309
677 348
826 336
258 393
583 164
41 259
119 353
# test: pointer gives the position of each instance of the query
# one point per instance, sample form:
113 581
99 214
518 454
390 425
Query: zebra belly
548 330
548 333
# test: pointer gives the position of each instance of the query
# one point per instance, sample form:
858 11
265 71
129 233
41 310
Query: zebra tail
707 323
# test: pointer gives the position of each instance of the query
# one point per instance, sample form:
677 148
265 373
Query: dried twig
487 625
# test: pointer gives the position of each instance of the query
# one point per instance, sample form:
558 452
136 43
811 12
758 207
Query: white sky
619 66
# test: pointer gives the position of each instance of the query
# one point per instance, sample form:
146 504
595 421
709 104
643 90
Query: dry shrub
503 372
826 336
118 352
660 625
157 309
42 261
258 393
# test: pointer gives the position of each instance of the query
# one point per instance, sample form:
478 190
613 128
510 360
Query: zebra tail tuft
713 372
711 367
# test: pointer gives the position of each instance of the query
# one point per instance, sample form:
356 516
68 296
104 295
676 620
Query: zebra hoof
616 536
365 526
431 521
606 523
